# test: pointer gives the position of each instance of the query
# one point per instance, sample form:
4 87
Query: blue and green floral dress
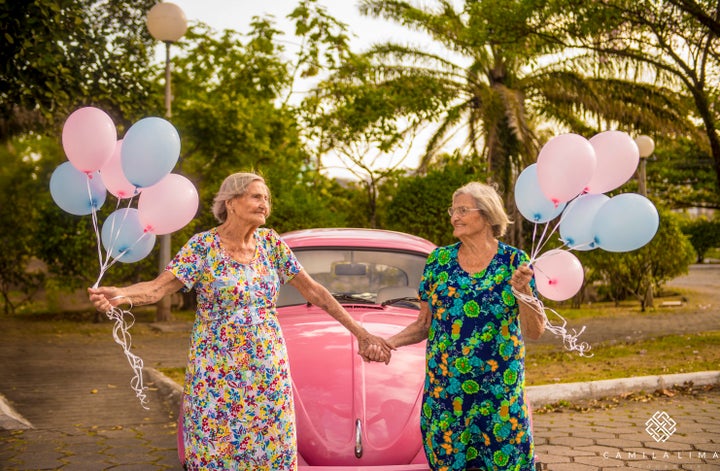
238 409
474 413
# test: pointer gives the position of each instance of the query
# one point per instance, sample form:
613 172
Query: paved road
73 389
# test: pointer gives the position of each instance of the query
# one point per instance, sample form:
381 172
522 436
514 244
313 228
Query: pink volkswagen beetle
353 415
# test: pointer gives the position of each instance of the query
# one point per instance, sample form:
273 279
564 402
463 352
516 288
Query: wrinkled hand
374 348
103 297
521 279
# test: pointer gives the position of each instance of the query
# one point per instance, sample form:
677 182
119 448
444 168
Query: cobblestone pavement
634 435
73 388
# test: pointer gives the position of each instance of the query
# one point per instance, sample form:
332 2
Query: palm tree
494 77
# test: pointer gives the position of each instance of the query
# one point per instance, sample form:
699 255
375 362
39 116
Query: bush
420 203
636 273
704 235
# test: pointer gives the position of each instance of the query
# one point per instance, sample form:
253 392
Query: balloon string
537 247
121 334
115 235
118 256
570 340
106 262
540 243
121 329
93 212
533 252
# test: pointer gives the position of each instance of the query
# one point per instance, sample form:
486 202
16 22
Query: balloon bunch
569 181
134 168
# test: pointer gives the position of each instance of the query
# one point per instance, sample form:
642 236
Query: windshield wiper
350 298
398 300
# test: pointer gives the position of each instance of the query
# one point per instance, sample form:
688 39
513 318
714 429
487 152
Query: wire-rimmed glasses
461 211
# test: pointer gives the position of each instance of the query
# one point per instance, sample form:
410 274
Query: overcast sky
236 15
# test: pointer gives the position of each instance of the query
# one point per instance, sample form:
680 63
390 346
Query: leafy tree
231 112
56 55
704 235
680 175
497 74
639 272
228 117
19 214
673 43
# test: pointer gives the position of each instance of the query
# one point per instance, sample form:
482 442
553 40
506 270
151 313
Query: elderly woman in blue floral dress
238 409
474 413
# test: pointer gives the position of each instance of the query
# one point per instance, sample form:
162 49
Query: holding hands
374 348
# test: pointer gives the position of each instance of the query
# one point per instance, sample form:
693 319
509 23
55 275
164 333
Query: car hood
349 412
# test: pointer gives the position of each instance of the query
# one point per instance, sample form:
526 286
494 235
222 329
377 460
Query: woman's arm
317 294
147 292
532 322
415 332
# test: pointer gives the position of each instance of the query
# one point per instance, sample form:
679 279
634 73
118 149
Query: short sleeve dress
238 410
474 413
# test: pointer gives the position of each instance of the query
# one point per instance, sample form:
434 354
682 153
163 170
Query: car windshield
363 276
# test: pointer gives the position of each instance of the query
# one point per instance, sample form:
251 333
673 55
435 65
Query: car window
357 273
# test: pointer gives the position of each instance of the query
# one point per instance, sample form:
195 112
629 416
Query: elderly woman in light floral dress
238 409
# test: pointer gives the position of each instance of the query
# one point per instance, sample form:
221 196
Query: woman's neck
479 245
475 254
240 234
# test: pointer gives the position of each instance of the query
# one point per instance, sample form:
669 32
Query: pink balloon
88 138
114 178
168 205
565 165
617 158
558 274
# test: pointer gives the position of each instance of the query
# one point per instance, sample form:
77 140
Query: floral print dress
474 413
238 409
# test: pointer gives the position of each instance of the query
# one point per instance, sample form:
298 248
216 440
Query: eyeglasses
461 211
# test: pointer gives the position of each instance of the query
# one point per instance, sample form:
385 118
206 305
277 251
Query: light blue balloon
76 192
576 223
150 150
122 231
625 222
530 199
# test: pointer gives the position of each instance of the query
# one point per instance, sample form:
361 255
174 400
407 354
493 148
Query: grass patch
176 374
662 355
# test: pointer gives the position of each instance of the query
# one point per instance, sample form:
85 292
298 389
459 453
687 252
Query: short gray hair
490 203
234 185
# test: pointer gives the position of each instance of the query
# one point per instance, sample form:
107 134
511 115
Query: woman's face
470 224
252 207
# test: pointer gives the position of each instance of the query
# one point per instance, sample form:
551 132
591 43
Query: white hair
234 185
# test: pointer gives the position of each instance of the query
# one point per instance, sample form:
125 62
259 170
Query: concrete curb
169 389
9 417
552 393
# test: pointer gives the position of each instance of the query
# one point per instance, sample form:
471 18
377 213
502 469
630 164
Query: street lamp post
646 146
167 23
